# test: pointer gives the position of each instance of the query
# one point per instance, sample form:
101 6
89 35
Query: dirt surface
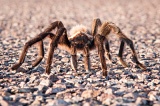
21 20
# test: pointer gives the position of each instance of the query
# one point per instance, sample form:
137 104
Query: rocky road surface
21 20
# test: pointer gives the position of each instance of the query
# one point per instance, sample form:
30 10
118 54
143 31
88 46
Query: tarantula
80 39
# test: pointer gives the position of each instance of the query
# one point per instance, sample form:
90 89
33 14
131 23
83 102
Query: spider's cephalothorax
79 39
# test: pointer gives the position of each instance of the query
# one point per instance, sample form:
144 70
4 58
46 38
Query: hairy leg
73 57
40 55
135 59
121 53
95 24
53 25
86 58
107 50
129 42
53 45
99 44
39 38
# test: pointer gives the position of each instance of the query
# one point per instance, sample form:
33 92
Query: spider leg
38 38
53 25
99 44
73 57
129 42
86 58
53 45
95 24
107 50
135 59
40 55
121 53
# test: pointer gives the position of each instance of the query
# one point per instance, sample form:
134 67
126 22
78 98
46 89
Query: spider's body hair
76 30
79 36
104 29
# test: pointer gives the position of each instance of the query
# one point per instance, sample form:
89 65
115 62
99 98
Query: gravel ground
21 20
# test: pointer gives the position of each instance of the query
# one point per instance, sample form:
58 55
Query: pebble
77 99
90 93
57 102
46 82
36 103
3 102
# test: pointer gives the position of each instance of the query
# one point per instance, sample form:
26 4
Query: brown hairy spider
79 39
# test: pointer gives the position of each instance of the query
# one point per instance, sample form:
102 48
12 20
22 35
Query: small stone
65 60
152 95
5 93
143 101
78 85
24 101
57 102
42 88
32 79
155 71
105 96
36 103
53 78
3 102
107 101
49 91
46 82
86 104
54 90
39 98
128 95
90 93
109 91
22 84
87 94
24 90
119 92
76 99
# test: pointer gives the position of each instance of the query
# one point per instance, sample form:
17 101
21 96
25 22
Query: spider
79 39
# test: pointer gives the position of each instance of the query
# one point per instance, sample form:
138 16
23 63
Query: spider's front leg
73 57
38 39
86 57
99 39
97 27
53 45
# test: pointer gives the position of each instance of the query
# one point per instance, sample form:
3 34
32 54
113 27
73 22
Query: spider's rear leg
38 38
86 58
107 50
99 44
129 42
121 49
53 45
73 57
135 59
